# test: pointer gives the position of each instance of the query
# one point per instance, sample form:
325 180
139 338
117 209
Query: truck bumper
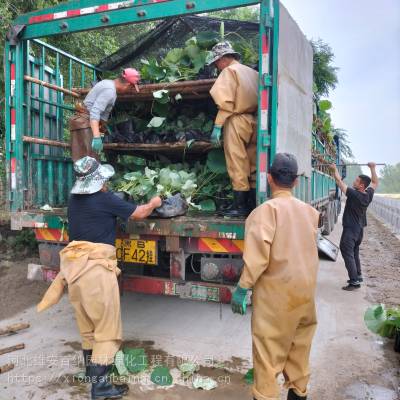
202 291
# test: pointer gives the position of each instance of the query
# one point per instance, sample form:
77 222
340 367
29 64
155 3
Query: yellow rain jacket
280 264
235 92
90 271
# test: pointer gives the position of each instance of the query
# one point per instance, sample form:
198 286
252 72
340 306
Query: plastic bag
188 369
205 383
172 207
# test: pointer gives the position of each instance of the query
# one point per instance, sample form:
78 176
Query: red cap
131 75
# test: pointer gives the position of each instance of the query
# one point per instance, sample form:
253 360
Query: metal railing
321 185
388 210
44 98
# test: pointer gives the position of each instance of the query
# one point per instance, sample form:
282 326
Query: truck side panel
39 170
47 179
295 95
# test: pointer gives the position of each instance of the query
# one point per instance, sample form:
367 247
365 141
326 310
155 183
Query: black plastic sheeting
174 206
173 33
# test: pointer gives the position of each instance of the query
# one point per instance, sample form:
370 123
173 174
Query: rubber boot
353 285
102 388
87 356
293 396
220 210
252 201
239 208
359 279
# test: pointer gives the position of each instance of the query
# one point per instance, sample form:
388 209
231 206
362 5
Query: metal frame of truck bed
39 172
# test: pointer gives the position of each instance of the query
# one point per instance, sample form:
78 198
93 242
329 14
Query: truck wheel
327 219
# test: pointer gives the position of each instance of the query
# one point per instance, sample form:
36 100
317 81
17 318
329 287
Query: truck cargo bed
195 224
192 225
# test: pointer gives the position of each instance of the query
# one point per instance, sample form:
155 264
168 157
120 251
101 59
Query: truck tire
327 220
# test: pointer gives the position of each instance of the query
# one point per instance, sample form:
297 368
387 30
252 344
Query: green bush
26 240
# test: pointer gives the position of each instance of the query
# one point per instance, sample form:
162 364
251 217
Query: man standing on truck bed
88 265
354 220
280 265
235 92
90 118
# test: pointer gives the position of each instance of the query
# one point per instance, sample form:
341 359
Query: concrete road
348 363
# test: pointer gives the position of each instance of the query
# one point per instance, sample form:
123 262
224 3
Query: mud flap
327 248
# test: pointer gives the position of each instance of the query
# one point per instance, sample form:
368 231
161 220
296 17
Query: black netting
174 32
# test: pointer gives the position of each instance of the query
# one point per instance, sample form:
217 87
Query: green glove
216 135
239 303
97 144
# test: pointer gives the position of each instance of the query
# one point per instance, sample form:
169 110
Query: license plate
137 251
205 293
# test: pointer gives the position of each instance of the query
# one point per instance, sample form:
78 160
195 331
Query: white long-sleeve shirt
101 99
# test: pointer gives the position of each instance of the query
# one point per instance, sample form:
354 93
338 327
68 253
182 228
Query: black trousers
350 249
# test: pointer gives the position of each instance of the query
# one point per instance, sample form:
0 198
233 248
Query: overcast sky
365 37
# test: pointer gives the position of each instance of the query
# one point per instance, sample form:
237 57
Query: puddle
74 345
363 391
227 374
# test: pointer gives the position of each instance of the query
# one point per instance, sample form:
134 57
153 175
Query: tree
325 79
325 74
345 149
390 179
251 14
91 46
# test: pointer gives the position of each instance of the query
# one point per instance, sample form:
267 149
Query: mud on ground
356 372
380 260
16 292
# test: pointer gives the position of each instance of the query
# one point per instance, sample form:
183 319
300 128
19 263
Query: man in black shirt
89 267
93 217
354 220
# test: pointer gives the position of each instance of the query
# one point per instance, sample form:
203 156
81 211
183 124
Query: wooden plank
6 367
48 142
12 348
191 95
185 86
196 147
51 86
179 146
13 328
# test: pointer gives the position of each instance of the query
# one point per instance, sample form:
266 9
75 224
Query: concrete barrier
388 210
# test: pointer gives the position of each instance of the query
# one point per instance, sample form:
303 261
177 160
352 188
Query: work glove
97 144
239 300
216 136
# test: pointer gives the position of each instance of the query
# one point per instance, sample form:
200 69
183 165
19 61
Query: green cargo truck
197 256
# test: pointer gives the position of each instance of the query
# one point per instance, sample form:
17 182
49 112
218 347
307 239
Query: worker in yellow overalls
88 266
235 93
280 265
